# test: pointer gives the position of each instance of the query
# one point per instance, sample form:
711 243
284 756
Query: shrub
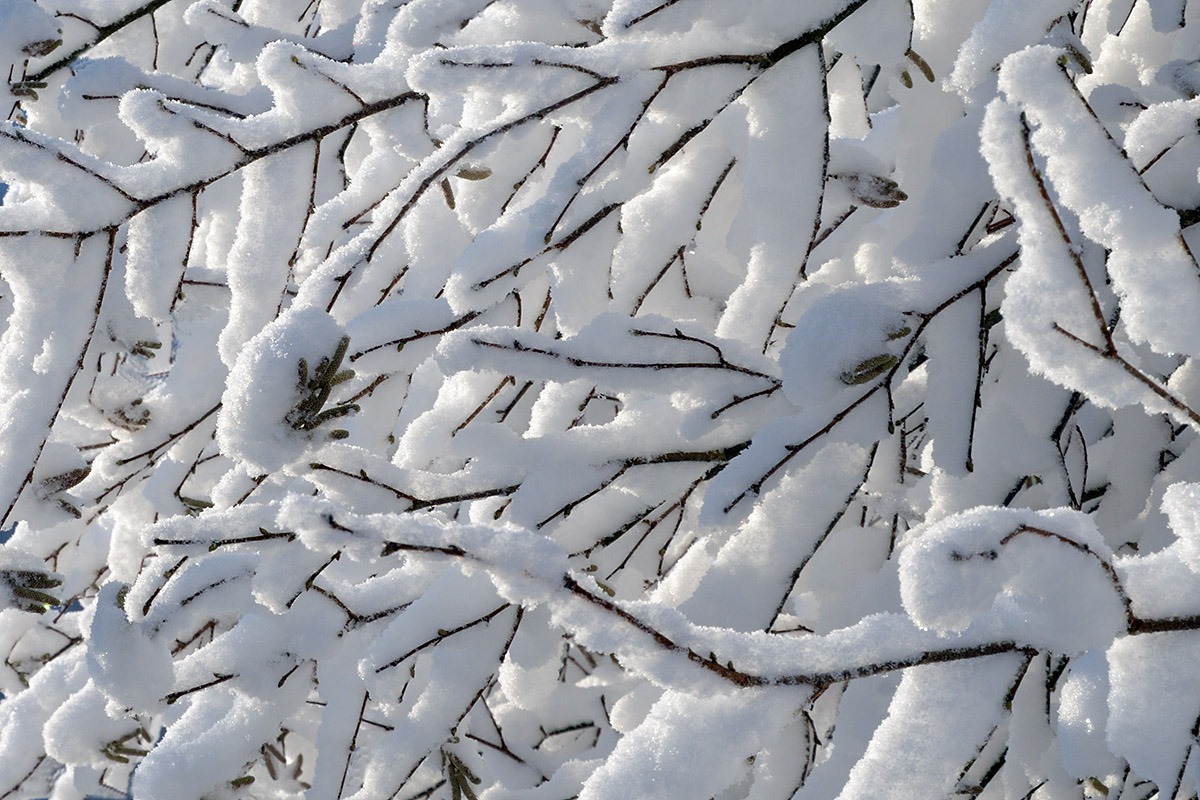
599 398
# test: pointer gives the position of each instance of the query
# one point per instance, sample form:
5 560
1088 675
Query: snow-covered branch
599 399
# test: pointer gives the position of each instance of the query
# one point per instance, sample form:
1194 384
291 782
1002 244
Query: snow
1083 718
257 268
78 731
23 717
1011 565
43 328
927 699
599 398
677 749
845 339
1182 509
1049 294
208 745
125 665
953 366
1006 27
1152 702
782 201
263 388
774 544
1151 270
157 257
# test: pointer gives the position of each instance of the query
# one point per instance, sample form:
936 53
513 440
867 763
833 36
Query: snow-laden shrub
599 398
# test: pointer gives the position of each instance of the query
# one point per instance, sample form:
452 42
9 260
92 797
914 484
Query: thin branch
219 679
765 61
629 23
441 635
353 743
79 363
251 156
883 383
1130 619
804 561
102 33
720 364
561 244
170 439
416 336
437 174
580 183
1110 346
